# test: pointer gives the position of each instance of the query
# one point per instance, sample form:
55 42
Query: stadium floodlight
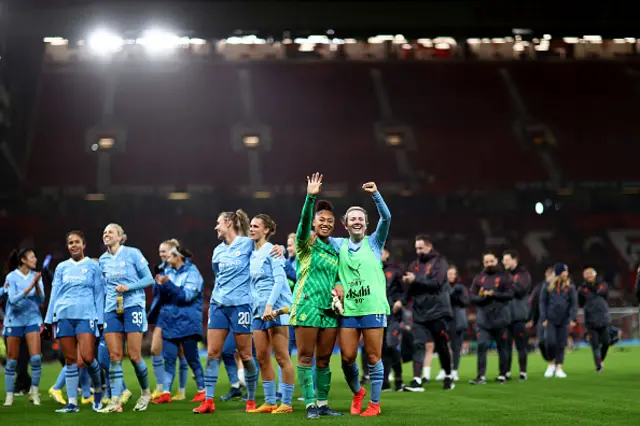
539 208
158 41
104 42
178 196
106 144
251 141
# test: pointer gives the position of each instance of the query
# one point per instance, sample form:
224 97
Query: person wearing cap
558 312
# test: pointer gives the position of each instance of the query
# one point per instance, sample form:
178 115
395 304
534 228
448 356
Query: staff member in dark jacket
558 312
534 312
592 297
459 324
429 290
519 311
391 356
491 292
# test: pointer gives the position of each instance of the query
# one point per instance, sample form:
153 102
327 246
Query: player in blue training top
23 319
156 340
180 318
363 288
271 292
76 309
230 305
126 273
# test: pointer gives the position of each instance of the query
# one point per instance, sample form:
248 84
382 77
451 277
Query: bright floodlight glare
106 143
104 42
251 141
539 208
158 41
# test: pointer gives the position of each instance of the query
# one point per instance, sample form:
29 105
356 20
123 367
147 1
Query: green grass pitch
585 398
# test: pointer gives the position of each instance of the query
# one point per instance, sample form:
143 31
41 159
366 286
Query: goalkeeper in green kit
316 326
363 290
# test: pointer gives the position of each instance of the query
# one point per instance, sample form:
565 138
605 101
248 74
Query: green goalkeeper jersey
317 264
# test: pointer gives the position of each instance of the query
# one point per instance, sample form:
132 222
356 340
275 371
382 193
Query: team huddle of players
344 287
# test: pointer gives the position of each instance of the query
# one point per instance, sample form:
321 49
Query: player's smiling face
323 223
30 259
356 224
163 252
76 246
257 230
110 236
222 227
291 247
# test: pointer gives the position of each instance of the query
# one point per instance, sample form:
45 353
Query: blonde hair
558 281
240 221
355 209
291 235
172 243
119 230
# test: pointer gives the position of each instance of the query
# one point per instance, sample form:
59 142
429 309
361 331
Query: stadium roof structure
219 19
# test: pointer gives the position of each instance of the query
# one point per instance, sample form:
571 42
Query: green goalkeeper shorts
306 315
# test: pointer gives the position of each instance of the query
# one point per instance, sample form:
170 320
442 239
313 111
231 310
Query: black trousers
391 356
518 334
499 335
556 341
438 331
456 339
600 341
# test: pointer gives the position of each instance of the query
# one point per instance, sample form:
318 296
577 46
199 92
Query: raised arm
314 184
381 233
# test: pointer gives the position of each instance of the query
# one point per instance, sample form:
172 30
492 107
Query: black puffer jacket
592 297
521 289
430 290
493 310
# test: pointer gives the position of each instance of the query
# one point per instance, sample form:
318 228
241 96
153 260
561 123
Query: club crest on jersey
122 263
237 253
84 270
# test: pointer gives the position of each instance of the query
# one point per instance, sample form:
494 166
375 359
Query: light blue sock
72 381
287 393
251 377
269 387
376 375
115 376
352 376
85 382
36 370
158 369
280 384
211 376
60 381
10 374
184 372
142 373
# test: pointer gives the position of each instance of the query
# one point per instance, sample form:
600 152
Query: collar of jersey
79 261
